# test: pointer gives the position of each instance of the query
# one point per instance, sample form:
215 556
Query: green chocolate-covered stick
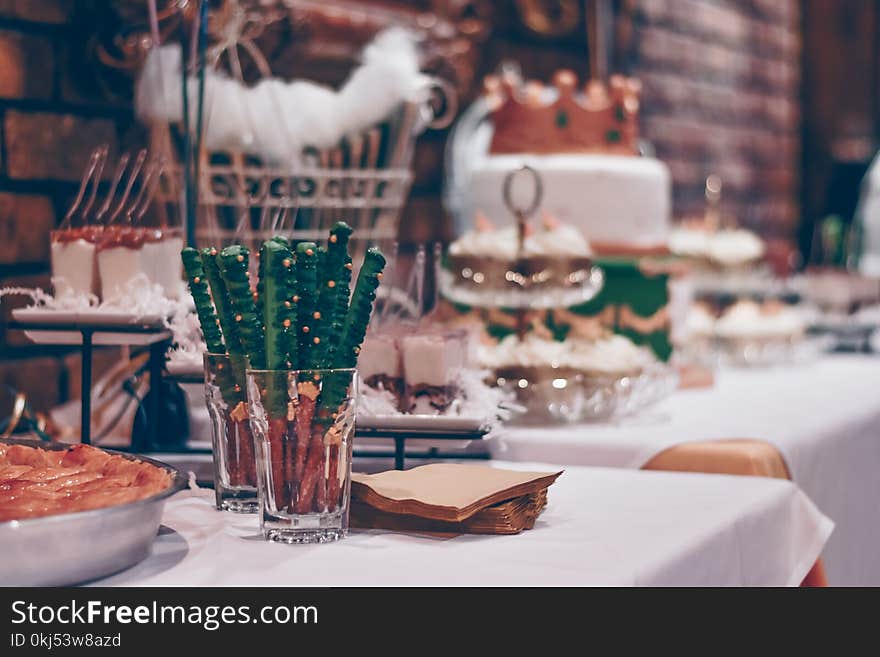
280 317
226 316
353 331
307 280
261 284
277 287
278 309
320 327
342 298
233 261
261 274
332 286
358 316
198 287
220 299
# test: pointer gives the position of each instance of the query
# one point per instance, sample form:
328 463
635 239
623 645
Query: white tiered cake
582 143
621 203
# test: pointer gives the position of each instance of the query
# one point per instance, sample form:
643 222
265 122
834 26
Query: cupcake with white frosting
488 258
700 322
724 248
747 320
536 358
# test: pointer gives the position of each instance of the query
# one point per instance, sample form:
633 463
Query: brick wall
50 119
722 94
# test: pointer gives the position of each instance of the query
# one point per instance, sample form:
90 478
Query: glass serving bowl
769 351
569 397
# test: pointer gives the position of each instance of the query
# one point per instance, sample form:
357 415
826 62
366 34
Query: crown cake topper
600 118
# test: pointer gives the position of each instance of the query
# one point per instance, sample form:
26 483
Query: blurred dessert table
818 423
602 527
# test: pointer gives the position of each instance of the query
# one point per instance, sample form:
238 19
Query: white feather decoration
313 114
225 122
276 119
388 76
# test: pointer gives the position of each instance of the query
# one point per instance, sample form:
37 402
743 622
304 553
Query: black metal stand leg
85 422
399 452
157 360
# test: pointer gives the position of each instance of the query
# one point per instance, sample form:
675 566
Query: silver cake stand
522 287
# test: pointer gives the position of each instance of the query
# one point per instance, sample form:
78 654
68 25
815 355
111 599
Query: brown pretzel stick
236 466
305 411
321 488
289 453
276 434
334 438
313 471
247 466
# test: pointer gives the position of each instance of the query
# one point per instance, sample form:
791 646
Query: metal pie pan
72 548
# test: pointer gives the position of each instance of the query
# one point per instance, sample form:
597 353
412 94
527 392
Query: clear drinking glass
235 476
303 423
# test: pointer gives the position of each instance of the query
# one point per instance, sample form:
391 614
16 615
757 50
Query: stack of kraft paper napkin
450 498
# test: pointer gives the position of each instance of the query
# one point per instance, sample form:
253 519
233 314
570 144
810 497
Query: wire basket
365 182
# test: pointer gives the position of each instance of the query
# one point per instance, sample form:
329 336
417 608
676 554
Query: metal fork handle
99 174
95 159
153 173
117 176
135 172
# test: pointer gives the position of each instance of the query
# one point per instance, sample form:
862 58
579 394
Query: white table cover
823 417
602 527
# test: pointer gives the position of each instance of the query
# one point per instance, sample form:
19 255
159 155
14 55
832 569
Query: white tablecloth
602 527
823 417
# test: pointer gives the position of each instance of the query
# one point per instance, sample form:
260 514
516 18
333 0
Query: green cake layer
635 303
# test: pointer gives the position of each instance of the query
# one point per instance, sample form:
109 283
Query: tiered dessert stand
526 284
522 285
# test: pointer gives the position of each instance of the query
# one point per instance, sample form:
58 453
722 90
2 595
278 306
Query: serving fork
119 201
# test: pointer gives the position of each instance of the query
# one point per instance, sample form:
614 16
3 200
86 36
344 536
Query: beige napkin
510 517
446 492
